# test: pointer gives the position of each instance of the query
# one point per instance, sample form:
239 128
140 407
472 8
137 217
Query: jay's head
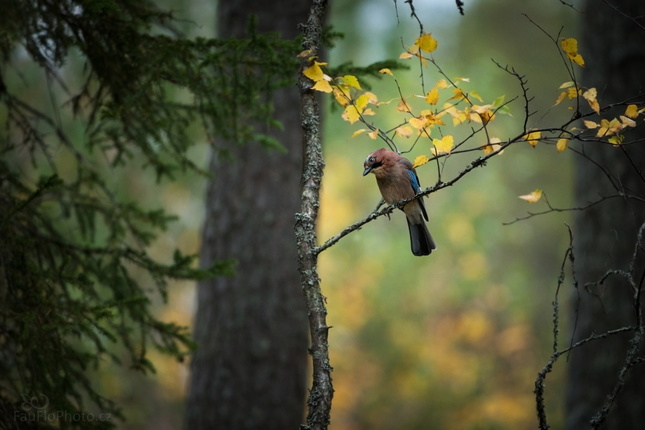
375 161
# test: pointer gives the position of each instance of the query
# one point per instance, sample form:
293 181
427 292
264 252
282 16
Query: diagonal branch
478 162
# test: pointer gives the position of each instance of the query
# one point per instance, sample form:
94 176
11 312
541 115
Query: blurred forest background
455 339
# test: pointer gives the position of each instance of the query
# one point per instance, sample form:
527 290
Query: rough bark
322 391
606 235
249 371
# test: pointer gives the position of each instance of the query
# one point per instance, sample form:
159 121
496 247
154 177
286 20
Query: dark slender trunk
606 235
249 371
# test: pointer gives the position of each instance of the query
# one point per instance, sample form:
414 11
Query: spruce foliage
72 249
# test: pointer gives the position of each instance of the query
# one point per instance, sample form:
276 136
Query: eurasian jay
397 180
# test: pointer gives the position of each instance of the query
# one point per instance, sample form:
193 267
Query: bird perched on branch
397 180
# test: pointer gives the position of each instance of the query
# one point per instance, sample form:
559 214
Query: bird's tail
420 239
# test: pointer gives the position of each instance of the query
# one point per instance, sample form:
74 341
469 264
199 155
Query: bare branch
632 355
525 91
633 19
460 6
552 209
631 359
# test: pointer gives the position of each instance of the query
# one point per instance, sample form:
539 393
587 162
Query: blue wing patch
414 181
416 186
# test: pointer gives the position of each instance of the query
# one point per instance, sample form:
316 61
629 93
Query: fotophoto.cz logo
34 408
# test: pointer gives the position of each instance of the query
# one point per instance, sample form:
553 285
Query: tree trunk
249 371
606 235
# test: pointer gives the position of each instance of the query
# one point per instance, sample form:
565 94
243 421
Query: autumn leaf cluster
422 116
425 117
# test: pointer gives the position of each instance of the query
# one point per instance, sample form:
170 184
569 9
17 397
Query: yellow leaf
458 94
352 81
351 114
604 128
631 111
533 138
532 197
577 58
418 123
403 106
492 146
488 149
616 140
590 95
314 72
431 118
386 71
590 124
444 144
433 96
369 112
420 161
572 93
482 114
362 101
403 131
562 144
627 121
358 132
563 95
323 86
570 47
566 85
607 128
594 105
486 116
426 42
373 134
442 84
371 97
458 116
342 96
603 132
405 56
426 119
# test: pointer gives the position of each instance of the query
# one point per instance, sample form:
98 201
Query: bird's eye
371 159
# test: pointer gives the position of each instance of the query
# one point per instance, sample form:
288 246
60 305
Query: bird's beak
367 170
